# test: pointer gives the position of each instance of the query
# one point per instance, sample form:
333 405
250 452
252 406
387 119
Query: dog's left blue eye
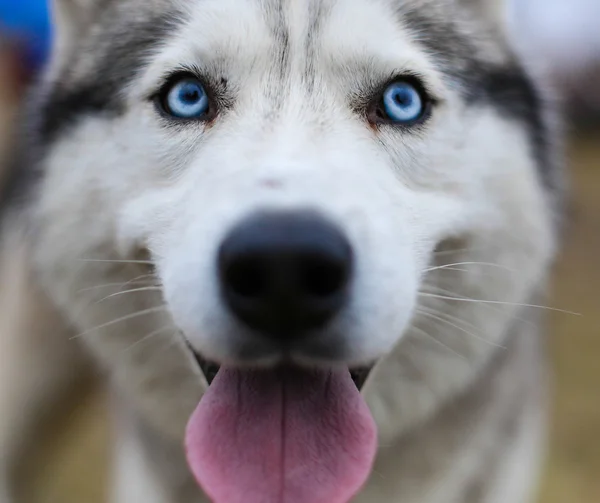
403 103
187 99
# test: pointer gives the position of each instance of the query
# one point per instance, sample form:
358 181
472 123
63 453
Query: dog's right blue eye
403 103
186 99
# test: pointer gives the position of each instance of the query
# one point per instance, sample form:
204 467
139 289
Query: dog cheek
384 293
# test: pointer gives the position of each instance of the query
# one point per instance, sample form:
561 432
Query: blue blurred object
28 21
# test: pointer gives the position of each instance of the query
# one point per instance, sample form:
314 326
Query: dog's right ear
70 18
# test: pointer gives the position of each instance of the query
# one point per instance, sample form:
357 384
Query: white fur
116 186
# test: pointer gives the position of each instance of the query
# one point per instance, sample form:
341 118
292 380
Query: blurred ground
70 466
573 473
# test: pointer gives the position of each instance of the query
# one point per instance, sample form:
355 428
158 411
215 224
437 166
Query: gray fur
454 221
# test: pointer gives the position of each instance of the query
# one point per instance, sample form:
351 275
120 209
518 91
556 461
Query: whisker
448 316
486 273
174 340
378 473
437 341
153 288
115 261
448 269
112 285
148 336
450 252
488 264
151 275
469 249
487 306
462 299
442 320
123 318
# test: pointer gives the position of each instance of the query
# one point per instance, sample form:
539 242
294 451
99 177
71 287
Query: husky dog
248 211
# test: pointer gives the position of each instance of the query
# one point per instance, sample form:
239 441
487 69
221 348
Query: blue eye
186 99
403 103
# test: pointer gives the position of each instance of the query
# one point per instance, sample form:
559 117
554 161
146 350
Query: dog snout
285 274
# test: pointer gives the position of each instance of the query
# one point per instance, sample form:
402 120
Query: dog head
329 184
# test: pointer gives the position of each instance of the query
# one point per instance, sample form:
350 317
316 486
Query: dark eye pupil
403 98
190 95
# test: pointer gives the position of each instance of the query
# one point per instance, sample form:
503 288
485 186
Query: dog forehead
290 39
294 22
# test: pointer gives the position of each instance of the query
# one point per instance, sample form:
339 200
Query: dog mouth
210 370
285 433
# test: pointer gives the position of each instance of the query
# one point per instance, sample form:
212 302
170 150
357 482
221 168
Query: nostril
285 273
322 277
248 277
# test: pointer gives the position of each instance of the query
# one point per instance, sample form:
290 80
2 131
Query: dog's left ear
494 13
70 18
489 9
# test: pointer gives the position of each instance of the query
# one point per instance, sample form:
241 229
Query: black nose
285 273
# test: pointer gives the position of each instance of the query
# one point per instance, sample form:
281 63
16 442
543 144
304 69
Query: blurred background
69 466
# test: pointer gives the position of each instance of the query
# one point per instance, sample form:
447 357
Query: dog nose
284 274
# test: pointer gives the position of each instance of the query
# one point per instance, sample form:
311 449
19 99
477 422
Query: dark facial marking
52 109
505 87
99 92
278 79
317 13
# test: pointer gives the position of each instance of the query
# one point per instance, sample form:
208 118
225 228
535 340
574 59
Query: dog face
391 152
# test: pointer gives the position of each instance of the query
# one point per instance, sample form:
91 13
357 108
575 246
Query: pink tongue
281 436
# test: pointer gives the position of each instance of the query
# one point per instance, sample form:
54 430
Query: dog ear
494 13
492 10
491 14
70 18
73 11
